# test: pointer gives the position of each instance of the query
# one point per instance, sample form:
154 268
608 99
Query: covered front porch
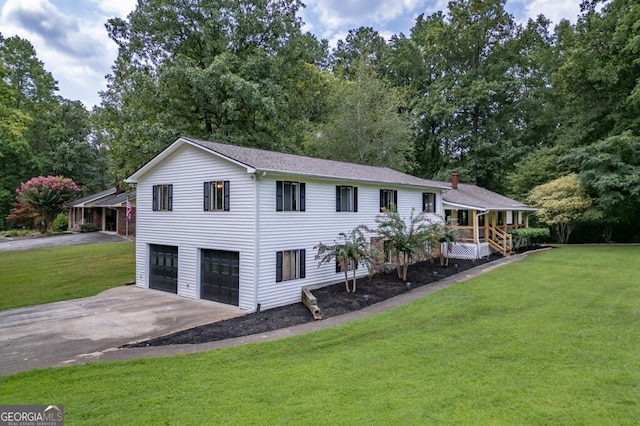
482 220
482 232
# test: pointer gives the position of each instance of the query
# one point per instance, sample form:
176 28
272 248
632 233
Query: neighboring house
482 218
239 225
106 210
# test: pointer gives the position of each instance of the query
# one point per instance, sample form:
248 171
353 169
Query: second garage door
220 276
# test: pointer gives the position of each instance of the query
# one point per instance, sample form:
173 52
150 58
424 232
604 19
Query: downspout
478 232
256 240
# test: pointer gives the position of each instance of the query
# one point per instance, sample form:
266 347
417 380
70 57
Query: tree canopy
510 105
41 133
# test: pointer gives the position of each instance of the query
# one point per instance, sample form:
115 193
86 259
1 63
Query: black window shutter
303 203
155 197
279 195
395 199
355 198
338 198
207 186
278 266
170 197
424 201
303 263
381 199
226 196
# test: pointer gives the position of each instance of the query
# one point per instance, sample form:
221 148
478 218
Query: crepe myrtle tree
407 238
47 195
352 249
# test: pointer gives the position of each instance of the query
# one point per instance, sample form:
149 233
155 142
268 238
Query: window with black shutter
346 198
290 196
290 265
388 199
428 202
216 196
162 199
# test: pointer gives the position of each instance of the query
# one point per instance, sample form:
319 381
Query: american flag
128 209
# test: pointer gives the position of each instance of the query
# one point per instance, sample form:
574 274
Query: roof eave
343 178
487 208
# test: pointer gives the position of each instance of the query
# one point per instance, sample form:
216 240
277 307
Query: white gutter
503 208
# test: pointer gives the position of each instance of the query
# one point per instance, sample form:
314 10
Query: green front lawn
33 277
552 339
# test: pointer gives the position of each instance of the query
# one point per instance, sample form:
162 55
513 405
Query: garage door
220 276
163 265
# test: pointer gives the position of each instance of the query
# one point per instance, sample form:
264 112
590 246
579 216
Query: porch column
474 215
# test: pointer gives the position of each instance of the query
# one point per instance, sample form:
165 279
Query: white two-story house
239 225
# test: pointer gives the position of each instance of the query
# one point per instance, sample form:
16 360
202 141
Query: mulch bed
333 300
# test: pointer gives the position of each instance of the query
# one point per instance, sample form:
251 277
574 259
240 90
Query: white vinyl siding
255 228
189 227
280 231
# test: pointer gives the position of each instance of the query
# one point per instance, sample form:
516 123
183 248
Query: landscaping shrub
529 237
88 227
60 223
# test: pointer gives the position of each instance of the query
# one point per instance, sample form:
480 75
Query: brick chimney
454 179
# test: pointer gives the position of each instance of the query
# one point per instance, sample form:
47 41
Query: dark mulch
333 300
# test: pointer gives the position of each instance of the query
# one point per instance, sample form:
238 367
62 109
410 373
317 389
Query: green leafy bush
88 227
60 223
526 237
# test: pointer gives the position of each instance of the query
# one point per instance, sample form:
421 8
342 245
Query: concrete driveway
22 243
77 331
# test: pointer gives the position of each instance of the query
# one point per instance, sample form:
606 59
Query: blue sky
70 38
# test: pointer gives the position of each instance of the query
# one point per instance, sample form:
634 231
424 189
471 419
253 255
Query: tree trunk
354 275
346 276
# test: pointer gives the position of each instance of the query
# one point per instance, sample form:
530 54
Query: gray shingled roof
271 161
93 197
117 200
482 199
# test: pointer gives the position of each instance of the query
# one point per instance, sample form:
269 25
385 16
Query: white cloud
72 42
115 8
332 19
75 49
555 10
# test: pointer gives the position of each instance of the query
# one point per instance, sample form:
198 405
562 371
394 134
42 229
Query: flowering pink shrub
47 195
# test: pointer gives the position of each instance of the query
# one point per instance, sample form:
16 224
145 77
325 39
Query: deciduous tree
366 123
561 203
224 70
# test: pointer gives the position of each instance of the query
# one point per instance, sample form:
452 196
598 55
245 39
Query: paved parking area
80 330
22 243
